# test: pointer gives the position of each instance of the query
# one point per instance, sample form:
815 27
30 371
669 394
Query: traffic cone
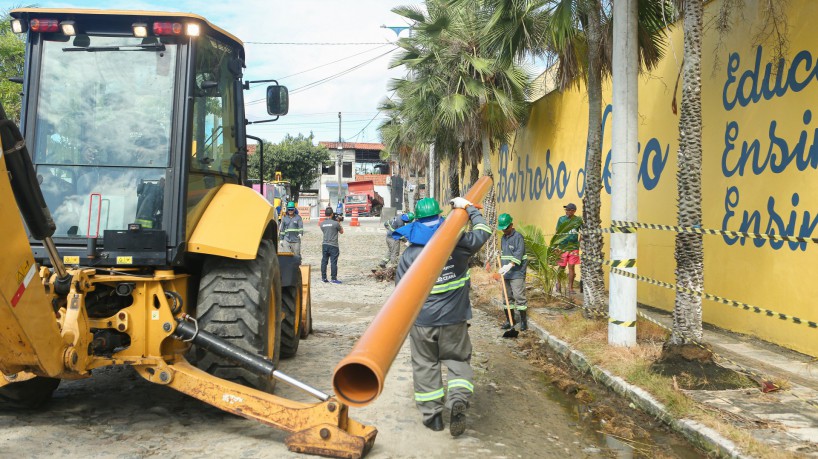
354 221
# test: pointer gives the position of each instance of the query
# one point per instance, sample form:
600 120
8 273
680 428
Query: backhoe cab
143 243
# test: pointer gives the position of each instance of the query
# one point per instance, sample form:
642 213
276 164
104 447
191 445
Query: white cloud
356 94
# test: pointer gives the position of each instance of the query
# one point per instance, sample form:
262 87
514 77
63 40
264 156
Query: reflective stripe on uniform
293 230
144 223
429 396
463 383
452 285
482 227
510 258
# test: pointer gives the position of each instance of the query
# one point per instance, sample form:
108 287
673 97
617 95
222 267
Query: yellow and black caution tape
698 230
626 263
623 323
708 296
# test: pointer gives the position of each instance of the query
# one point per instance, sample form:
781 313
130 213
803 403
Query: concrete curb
698 434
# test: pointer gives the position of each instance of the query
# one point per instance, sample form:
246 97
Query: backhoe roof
140 14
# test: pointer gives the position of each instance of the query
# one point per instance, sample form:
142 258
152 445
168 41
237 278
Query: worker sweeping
393 245
292 227
440 332
515 262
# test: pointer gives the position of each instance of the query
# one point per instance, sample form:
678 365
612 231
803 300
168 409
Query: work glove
460 203
505 268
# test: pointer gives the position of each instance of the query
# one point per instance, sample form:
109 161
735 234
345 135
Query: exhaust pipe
359 377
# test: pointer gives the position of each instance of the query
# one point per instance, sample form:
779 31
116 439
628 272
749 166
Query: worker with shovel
440 333
513 270
392 244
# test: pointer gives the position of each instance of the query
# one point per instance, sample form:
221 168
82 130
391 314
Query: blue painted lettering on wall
752 221
752 86
651 164
523 182
778 156
771 153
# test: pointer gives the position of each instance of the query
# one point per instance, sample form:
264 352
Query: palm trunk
454 178
687 313
593 283
489 203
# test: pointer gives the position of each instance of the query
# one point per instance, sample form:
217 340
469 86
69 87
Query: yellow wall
782 195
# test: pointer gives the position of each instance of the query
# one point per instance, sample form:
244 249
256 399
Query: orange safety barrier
354 221
304 212
359 377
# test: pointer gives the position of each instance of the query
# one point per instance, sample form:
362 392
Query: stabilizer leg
321 428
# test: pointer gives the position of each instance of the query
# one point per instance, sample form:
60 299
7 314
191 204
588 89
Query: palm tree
687 311
689 251
478 95
577 34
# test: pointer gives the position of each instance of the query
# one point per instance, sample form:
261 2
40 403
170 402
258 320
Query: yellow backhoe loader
140 241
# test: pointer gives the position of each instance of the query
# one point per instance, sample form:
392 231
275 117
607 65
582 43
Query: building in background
360 161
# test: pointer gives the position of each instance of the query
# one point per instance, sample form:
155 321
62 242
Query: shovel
511 332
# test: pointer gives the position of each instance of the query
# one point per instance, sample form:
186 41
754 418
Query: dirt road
516 413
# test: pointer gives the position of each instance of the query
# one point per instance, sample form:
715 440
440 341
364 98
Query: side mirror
278 100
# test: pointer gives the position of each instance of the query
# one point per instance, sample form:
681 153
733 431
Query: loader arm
29 337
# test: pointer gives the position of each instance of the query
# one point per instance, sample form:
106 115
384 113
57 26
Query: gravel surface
117 414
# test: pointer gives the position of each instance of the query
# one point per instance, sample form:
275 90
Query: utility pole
340 159
622 300
430 183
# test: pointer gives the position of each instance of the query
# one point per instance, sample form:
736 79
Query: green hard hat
427 207
291 205
503 221
410 215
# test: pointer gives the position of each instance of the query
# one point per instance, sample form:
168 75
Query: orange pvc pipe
359 377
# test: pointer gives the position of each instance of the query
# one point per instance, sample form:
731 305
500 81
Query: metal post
340 158
430 183
624 168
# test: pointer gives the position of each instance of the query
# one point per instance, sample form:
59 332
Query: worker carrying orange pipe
359 377
440 333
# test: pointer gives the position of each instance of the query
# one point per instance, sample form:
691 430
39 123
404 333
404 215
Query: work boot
523 320
435 422
457 422
506 325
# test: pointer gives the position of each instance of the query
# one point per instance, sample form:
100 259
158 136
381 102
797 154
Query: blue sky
312 108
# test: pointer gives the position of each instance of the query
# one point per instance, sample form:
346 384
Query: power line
333 62
332 77
329 78
324 65
311 123
367 125
307 43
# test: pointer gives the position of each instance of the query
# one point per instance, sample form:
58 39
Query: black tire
28 394
240 301
291 307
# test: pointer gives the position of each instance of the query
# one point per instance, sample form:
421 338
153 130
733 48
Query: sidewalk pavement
785 419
